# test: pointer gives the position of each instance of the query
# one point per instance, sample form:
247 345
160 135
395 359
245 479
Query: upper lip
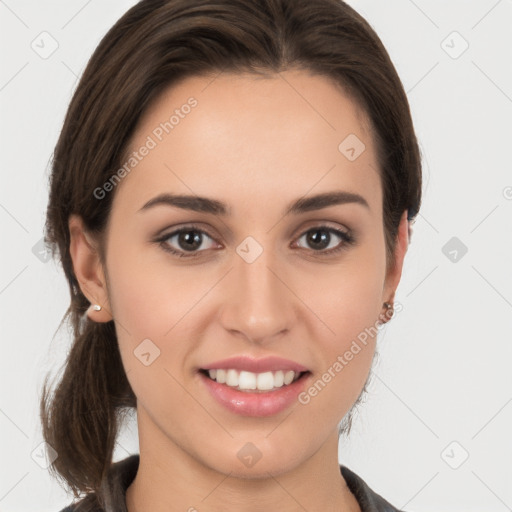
250 364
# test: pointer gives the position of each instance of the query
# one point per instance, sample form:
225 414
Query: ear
394 273
88 270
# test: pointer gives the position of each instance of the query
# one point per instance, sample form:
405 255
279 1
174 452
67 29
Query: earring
389 311
97 313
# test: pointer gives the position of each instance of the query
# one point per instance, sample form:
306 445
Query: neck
171 479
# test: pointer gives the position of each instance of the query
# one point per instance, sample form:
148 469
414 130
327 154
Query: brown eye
320 239
187 240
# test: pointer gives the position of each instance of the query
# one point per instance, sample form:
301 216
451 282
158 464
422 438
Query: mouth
251 382
261 394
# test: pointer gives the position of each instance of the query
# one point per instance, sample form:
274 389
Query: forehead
244 135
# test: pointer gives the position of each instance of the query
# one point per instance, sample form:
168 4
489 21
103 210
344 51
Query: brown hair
155 44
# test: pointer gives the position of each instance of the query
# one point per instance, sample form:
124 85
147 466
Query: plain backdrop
432 433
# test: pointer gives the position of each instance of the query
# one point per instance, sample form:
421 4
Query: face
255 280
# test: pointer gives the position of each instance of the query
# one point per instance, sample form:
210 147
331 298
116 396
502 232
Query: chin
249 462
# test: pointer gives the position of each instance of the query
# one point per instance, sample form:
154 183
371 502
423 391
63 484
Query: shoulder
368 499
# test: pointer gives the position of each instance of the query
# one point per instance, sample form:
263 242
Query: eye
320 238
188 240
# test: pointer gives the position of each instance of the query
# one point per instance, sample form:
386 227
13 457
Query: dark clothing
123 472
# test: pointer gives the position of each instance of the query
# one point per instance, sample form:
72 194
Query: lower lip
255 404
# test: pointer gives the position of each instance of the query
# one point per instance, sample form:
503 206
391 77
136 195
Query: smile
242 393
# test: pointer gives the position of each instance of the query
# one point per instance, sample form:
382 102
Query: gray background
431 434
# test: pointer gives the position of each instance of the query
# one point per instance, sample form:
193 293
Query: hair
150 48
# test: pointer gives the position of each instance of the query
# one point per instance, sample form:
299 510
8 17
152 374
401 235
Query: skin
256 144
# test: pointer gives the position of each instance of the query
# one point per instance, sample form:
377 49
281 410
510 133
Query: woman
231 198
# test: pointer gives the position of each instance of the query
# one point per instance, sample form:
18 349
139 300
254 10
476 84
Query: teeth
247 380
288 377
244 380
232 378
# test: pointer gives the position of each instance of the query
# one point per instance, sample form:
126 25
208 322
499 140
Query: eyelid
187 227
346 236
325 224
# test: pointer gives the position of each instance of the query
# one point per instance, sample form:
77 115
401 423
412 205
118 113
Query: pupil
190 241
322 239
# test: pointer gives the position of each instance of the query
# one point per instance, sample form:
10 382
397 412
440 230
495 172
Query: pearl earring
96 307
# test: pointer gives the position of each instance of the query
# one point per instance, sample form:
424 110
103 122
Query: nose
258 303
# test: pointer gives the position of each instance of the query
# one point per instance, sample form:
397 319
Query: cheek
150 304
149 297
348 302
345 345
348 298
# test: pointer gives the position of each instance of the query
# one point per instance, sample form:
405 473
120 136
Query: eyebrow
215 207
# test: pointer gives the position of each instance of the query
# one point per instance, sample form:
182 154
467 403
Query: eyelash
346 237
